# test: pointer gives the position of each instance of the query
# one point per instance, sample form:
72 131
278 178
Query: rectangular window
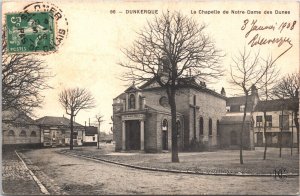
284 122
242 108
227 108
259 122
210 126
269 120
93 138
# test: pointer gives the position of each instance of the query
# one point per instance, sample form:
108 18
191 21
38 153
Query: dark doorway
165 134
269 138
133 135
260 139
233 138
165 140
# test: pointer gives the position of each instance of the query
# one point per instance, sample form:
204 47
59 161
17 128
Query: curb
41 186
172 171
52 187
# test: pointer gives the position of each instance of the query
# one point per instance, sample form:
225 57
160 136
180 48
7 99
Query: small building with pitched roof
55 131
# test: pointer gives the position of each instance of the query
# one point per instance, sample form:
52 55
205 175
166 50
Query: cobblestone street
15 176
80 176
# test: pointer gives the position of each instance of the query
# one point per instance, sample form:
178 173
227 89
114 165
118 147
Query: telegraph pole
292 144
281 127
99 119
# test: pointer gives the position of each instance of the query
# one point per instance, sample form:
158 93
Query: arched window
218 128
33 134
178 127
23 133
11 133
131 101
165 125
201 126
210 126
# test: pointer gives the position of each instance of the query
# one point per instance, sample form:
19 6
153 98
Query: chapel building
142 117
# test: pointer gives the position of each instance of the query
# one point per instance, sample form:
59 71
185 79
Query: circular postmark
60 20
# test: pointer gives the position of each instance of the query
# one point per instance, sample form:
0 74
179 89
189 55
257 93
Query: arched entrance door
165 134
233 138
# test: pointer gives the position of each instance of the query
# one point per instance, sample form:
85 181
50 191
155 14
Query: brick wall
151 144
210 107
226 136
117 131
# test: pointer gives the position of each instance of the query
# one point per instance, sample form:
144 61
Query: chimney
253 90
223 91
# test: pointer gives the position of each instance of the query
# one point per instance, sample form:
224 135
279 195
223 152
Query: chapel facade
142 117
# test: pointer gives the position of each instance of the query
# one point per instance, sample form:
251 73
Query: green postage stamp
30 32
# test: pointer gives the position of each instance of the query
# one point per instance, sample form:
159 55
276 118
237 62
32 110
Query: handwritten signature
258 39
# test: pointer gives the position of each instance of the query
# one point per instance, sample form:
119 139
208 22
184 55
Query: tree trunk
265 134
281 127
242 131
241 140
99 137
297 127
71 134
172 103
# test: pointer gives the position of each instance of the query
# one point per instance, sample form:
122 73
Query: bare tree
288 87
73 100
99 118
246 74
268 81
167 48
23 78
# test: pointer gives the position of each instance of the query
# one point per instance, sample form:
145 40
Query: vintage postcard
150 97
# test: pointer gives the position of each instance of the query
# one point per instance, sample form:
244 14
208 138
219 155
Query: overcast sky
89 55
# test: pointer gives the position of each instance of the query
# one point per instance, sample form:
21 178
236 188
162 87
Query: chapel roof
184 83
132 88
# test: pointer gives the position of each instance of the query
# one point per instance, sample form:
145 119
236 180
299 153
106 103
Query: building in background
231 123
55 131
19 130
90 136
279 115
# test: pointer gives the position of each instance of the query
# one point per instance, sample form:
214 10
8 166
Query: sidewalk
16 179
222 162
